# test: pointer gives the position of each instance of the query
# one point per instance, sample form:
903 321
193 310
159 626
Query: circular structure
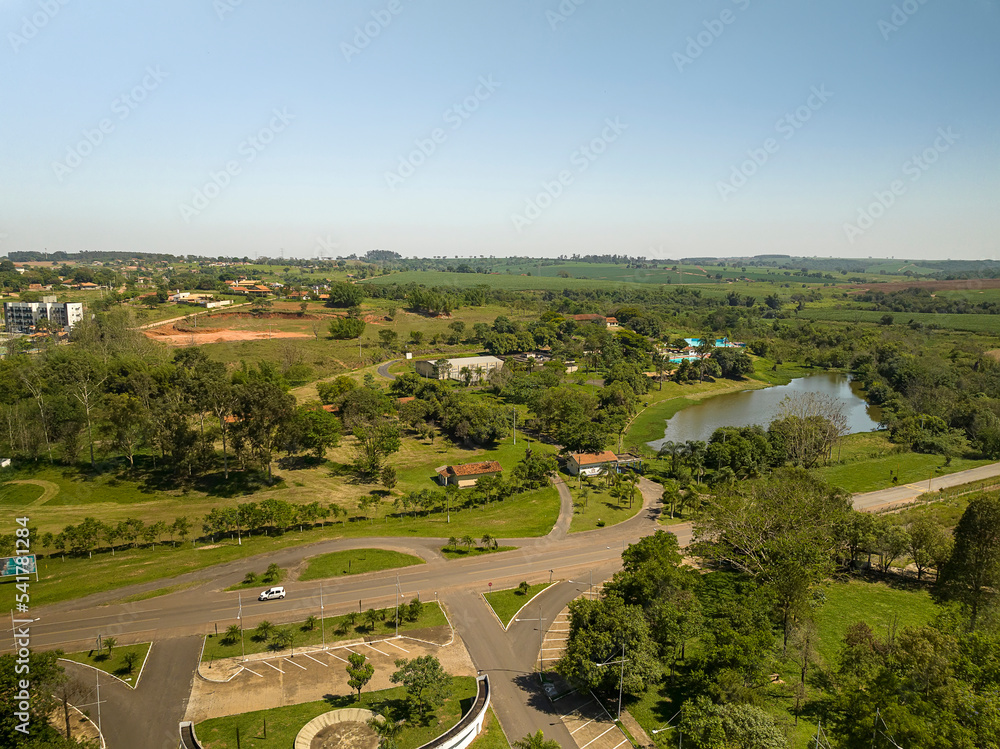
338 729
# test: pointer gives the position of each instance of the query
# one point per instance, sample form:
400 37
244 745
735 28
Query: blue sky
524 127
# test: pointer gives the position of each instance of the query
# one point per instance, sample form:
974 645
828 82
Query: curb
108 673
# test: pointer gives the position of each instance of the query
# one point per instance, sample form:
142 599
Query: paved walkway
905 493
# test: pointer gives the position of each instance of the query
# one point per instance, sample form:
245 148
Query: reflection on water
759 407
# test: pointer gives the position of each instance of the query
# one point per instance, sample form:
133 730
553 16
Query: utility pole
397 605
541 651
322 622
239 616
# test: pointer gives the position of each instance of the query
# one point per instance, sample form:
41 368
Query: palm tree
536 741
488 541
675 450
233 632
706 345
696 453
469 541
388 731
659 364
453 542
109 643
671 494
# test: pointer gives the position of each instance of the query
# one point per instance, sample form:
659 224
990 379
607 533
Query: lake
760 406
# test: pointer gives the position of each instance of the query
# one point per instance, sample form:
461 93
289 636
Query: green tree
345 295
535 740
359 671
972 574
387 730
262 411
373 445
426 683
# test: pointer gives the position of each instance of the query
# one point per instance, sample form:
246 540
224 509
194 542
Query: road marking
577 710
397 646
376 649
624 742
337 657
289 660
597 737
274 667
557 639
253 672
324 665
583 726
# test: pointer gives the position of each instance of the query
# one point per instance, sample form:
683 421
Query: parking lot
266 681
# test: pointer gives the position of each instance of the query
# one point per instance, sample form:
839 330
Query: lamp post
621 678
239 616
322 621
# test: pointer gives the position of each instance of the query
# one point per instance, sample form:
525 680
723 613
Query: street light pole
322 621
541 650
397 605
239 616
621 683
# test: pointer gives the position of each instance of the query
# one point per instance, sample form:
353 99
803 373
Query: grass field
115 663
971 323
337 629
451 552
601 508
492 736
283 723
356 562
874 473
19 495
506 603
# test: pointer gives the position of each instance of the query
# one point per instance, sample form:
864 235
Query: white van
267 595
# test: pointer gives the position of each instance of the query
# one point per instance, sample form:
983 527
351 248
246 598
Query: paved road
908 492
383 369
176 620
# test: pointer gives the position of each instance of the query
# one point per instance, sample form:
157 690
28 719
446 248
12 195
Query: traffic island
338 728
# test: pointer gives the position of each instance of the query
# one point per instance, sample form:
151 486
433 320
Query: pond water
760 406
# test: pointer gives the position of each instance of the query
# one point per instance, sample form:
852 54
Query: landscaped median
123 662
267 637
356 562
506 603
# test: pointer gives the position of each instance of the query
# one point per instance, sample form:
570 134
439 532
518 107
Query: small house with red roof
467 474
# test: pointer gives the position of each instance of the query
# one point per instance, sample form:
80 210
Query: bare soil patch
174 336
995 353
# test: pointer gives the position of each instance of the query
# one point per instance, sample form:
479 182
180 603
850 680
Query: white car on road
270 593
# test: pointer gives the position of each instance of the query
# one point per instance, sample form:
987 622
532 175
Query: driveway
383 369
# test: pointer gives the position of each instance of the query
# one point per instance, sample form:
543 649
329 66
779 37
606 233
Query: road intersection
173 622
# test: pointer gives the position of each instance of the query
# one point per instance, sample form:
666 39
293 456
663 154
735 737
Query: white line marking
624 742
289 660
577 710
583 726
397 646
337 657
274 667
376 649
324 665
597 737
253 672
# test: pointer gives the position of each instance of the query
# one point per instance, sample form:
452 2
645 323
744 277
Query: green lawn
260 582
506 603
115 664
284 723
876 603
874 473
601 508
19 494
338 628
492 736
355 562
452 552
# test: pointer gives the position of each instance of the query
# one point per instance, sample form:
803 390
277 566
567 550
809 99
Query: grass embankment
878 604
115 664
492 736
869 460
594 507
284 723
356 562
506 603
338 629
19 495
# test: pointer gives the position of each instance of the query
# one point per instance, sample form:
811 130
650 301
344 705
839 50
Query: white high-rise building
21 317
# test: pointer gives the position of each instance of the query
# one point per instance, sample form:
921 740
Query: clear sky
673 129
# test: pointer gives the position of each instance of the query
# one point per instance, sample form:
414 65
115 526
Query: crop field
971 323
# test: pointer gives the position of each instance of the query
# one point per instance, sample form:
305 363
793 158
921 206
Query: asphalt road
383 369
175 622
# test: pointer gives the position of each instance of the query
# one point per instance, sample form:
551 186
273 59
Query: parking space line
577 709
397 647
324 665
253 672
597 737
623 742
274 667
376 650
289 660
332 655
583 726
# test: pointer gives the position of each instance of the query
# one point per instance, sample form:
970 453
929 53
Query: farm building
467 474
478 368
